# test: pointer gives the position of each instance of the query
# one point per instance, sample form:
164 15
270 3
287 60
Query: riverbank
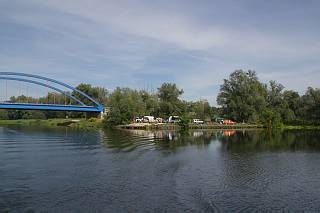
87 124
73 123
162 126
289 127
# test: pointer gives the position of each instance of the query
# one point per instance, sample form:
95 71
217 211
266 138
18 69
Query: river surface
64 170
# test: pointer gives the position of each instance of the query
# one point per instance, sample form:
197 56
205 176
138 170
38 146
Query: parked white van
198 121
148 119
138 120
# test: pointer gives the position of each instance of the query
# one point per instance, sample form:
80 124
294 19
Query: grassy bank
147 126
74 123
289 127
96 123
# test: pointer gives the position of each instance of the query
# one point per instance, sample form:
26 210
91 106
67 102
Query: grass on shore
297 127
167 126
74 123
93 123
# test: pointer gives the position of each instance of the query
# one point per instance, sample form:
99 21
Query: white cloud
116 40
128 17
95 19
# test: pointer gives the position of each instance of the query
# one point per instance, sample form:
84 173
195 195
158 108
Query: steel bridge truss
51 84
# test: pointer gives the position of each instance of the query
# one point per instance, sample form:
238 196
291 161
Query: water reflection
229 132
66 170
231 140
128 140
263 140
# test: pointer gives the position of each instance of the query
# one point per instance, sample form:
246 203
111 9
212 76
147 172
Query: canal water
64 170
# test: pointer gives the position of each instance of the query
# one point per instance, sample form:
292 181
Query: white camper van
148 119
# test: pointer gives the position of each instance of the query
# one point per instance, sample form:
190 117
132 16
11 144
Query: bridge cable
47 93
27 94
6 91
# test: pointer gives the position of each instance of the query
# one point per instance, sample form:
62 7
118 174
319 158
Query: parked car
173 119
138 120
197 121
159 120
229 122
219 120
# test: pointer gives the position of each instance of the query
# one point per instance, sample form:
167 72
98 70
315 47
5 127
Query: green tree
4 114
293 100
277 102
275 98
170 103
99 94
243 97
311 105
29 114
271 119
151 103
200 109
125 104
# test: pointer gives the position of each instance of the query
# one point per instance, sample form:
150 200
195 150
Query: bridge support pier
103 113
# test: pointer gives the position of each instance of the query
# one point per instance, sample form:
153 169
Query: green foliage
242 96
115 117
184 122
100 94
33 115
169 95
93 120
125 104
271 119
201 110
151 103
311 105
293 101
4 115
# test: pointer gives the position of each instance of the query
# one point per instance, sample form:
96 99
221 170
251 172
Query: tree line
242 98
126 104
123 104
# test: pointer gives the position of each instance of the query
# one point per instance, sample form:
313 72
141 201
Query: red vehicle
229 122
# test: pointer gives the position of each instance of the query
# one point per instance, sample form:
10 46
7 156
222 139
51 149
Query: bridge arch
36 79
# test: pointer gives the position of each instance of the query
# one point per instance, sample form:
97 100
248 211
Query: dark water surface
63 170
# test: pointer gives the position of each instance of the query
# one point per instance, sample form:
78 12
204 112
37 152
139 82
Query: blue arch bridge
59 87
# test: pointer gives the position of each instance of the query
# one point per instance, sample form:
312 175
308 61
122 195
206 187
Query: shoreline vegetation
242 99
83 124
145 126
94 124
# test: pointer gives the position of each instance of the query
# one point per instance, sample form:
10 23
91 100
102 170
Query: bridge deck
25 106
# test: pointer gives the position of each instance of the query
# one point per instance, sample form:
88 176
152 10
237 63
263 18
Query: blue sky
141 44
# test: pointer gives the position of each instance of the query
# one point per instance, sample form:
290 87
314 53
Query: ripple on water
66 170
127 142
